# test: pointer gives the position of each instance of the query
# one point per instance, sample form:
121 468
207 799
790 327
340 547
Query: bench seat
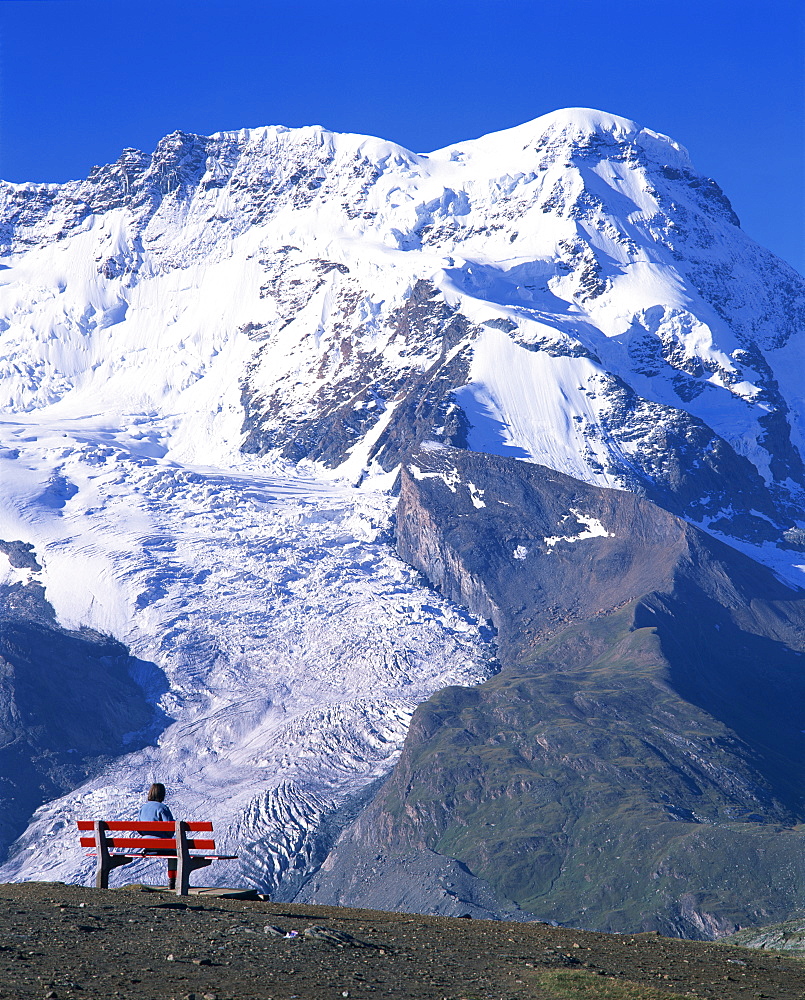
152 839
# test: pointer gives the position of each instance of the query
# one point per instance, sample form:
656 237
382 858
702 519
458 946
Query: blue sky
82 79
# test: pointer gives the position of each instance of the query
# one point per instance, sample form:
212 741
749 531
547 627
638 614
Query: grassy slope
638 762
583 787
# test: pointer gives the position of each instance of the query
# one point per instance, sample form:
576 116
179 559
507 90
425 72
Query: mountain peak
577 126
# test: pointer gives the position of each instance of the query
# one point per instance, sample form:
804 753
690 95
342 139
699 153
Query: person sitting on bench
156 810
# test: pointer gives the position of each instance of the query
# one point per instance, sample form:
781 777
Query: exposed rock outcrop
637 763
69 702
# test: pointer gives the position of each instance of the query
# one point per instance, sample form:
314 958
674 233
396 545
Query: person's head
156 793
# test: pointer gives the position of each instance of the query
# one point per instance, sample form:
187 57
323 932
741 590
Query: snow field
494 222
293 645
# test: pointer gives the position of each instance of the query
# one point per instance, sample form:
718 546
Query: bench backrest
163 835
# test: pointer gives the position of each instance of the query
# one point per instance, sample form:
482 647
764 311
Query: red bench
155 840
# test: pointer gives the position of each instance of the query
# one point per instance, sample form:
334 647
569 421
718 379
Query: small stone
169 958
201 961
344 993
329 935
273 931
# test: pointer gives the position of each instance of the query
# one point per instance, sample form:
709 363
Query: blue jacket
150 811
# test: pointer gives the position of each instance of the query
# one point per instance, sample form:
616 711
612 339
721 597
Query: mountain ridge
627 286
218 359
632 649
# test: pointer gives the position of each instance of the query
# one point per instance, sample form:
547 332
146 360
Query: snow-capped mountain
214 359
569 291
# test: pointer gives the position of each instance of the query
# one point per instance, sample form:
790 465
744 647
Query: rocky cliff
69 701
637 762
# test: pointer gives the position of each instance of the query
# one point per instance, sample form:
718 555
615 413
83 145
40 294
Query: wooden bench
156 839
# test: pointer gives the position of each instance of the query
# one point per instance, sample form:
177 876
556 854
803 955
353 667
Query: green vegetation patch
586 789
564 984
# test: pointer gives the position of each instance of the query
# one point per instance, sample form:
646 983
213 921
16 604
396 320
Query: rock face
365 388
638 761
528 548
788 936
68 702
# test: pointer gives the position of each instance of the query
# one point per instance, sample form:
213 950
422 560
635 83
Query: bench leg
107 863
185 867
185 862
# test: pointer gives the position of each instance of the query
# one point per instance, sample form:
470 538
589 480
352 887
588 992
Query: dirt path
59 942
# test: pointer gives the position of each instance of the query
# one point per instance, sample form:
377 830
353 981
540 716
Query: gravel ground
62 941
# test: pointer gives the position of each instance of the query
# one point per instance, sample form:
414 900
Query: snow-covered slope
292 644
573 278
204 352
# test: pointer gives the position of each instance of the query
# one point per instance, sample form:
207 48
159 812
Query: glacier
213 359
292 643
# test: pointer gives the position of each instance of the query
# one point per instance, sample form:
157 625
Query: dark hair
156 793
